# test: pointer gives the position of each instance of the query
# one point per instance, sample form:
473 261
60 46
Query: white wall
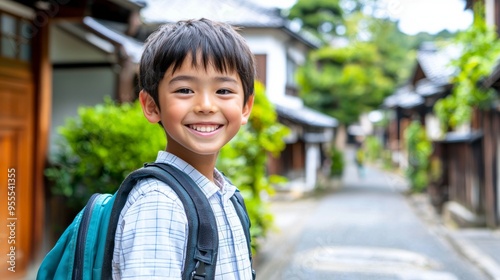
490 12
77 87
433 127
67 48
312 165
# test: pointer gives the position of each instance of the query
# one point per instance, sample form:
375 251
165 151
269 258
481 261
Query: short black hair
217 42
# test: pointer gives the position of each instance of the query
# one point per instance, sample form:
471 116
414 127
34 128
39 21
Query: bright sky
415 15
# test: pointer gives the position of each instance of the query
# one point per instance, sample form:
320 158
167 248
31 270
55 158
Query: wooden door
16 168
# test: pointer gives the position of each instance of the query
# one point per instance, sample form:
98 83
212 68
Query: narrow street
366 229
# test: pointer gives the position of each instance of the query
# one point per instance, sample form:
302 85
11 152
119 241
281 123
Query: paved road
367 229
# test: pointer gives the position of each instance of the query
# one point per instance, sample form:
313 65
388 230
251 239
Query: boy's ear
247 109
149 107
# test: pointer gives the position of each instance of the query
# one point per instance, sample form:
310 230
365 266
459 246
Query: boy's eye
184 91
224 91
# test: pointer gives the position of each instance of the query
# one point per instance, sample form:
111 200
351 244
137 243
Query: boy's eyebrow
226 79
182 78
193 78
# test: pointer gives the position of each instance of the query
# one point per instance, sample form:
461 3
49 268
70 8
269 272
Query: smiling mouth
204 128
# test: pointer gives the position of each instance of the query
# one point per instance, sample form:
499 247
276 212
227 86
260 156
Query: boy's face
201 110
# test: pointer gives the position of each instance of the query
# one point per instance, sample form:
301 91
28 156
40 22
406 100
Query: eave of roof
436 62
438 72
131 4
306 116
493 80
427 88
132 47
460 137
403 98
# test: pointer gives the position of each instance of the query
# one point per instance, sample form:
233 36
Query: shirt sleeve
154 233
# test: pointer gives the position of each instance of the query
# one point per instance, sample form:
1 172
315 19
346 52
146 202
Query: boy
197 81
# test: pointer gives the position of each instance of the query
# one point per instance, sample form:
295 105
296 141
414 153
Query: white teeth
204 128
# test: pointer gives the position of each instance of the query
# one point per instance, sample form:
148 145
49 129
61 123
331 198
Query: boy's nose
205 104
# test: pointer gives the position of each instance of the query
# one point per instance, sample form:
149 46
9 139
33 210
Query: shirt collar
227 190
209 188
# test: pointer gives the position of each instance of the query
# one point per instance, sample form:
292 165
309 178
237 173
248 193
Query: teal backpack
85 249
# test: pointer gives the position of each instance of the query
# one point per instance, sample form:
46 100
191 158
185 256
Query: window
291 83
261 61
15 37
291 68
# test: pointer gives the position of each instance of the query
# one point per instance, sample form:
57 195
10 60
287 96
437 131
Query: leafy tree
395 48
442 36
344 82
347 79
321 17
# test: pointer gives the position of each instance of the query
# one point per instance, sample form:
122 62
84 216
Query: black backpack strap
120 198
202 243
205 255
241 210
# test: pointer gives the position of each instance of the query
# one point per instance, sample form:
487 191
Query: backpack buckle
199 271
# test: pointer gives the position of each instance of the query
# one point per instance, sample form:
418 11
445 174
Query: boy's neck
205 167
204 164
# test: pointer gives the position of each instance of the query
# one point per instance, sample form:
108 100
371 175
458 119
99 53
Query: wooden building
488 121
415 100
466 187
458 191
26 94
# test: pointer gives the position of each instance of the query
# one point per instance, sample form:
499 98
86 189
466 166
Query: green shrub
337 160
99 148
419 151
372 148
387 162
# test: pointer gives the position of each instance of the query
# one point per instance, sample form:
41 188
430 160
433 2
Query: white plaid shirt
151 236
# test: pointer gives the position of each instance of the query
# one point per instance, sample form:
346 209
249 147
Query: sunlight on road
371 260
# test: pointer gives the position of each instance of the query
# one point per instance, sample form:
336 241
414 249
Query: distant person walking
359 157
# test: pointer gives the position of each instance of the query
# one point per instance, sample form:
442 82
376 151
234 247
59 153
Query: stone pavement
480 247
